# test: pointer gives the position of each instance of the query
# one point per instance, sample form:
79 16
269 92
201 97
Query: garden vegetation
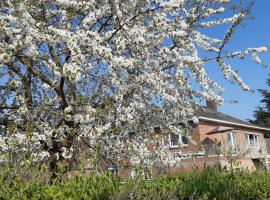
211 183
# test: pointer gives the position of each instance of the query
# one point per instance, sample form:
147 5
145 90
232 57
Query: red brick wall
205 127
200 136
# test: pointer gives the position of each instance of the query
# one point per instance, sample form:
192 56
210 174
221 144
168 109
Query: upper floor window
253 140
178 140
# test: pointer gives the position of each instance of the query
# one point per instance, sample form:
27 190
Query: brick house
217 140
220 139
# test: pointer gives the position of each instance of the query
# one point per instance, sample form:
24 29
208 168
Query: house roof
204 113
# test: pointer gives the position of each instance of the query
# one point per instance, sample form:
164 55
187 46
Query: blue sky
255 33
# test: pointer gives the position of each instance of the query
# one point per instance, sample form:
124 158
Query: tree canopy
262 113
105 72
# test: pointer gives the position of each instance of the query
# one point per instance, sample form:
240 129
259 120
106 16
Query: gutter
232 123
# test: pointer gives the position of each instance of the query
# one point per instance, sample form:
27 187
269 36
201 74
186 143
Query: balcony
255 150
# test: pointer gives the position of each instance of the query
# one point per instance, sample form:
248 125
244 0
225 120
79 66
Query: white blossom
106 73
255 58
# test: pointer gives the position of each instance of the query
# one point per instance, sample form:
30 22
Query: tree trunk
57 169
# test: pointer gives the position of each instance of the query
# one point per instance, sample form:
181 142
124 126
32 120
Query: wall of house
185 165
245 160
245 163
202 138
192 143
194 157
206 127
199 163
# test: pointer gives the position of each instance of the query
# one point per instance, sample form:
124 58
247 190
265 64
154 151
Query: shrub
211 183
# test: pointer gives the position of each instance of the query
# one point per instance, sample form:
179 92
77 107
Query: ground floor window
114 170
143 172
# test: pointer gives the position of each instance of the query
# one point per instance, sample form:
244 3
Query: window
133 173
231 141
253 140
174 140
184 140
178 140
143 172
114 171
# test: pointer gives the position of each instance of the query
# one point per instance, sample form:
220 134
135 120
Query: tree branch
16 71
6 107
35 73
58 89
131 19
105 23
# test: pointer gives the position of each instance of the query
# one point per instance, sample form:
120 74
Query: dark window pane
174 139
184 139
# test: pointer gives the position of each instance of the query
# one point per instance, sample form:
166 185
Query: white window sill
254 147
179 146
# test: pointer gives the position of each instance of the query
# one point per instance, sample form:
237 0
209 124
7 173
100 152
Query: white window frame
232 142
233 138
114 170
255 143
133 173
180 141
144 172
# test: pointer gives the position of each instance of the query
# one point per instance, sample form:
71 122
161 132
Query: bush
211 183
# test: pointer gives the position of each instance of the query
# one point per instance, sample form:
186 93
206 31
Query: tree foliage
262 113
79 72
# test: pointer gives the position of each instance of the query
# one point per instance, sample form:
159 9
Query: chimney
211 105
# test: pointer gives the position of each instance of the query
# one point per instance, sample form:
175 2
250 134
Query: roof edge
232 123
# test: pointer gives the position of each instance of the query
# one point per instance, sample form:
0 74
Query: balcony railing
243 148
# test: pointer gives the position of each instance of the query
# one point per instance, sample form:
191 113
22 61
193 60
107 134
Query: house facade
220 139
217 140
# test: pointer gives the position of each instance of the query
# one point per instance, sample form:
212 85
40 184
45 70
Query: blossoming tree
105 72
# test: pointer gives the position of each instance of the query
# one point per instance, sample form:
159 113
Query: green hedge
211 183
